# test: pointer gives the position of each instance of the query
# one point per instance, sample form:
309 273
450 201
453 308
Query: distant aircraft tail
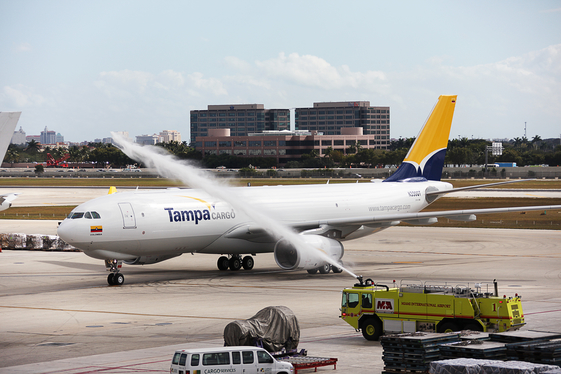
8 122
425 159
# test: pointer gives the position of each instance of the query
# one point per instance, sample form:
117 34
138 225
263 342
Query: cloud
556 10
23 47
313 71
199 84
492 97
21 96
127 84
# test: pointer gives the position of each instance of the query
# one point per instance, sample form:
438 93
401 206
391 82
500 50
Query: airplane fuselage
128 225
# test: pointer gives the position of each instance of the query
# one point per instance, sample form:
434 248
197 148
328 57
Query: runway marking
110 312
545 311
99 369
456 253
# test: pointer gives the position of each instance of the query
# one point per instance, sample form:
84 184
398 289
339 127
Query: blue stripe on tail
431 170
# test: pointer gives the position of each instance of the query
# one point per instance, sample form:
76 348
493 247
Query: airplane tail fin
8 122
425 159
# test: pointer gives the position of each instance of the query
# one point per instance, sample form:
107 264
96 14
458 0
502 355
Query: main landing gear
114 278
235 262
324 269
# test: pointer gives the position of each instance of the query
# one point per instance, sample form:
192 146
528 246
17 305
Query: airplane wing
432 193
422 217
6 200
319 227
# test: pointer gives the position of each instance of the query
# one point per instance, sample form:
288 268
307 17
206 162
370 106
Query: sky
86 68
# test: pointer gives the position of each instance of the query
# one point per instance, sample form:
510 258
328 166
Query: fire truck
377 309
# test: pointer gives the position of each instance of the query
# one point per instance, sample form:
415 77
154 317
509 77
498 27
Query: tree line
460 152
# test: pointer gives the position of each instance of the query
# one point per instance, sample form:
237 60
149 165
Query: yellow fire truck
376 308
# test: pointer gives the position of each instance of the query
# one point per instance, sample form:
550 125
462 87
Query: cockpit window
88 215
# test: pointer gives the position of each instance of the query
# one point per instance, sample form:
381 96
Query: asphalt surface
59 315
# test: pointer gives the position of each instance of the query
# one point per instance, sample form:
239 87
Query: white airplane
8 122
146 227
6 200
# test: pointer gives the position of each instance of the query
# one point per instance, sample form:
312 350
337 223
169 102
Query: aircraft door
129 220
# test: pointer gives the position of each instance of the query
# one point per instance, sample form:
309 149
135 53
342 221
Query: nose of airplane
65 231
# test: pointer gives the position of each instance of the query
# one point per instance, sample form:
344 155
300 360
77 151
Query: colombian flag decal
96 229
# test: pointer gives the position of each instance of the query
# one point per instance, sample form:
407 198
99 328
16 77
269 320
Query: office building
241 119
48 137
330 118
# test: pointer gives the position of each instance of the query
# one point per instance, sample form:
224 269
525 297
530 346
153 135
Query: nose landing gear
115 278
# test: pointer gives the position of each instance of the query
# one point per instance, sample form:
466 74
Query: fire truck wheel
448 327
473 326
372 329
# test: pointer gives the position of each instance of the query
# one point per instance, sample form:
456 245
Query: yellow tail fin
426 156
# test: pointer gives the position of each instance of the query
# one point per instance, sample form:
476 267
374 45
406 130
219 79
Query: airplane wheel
312 271
118 279
223 263
324 269
235 263
248 263
336 269
110 279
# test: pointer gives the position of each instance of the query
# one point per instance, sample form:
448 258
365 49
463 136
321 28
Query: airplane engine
288 257
146 260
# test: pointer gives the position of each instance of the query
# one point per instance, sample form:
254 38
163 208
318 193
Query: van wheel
372 329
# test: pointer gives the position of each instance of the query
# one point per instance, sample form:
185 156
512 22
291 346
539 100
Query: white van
244 359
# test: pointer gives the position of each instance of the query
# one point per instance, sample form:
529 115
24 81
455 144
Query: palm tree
33 146
11 156
536 140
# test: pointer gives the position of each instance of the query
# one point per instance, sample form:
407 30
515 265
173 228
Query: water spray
170 167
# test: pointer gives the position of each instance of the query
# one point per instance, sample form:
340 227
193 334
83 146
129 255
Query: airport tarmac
59 315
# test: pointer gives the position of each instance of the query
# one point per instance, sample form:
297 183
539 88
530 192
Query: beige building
167 136
283 145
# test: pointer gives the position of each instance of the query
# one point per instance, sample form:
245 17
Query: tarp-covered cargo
274 327
475 366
